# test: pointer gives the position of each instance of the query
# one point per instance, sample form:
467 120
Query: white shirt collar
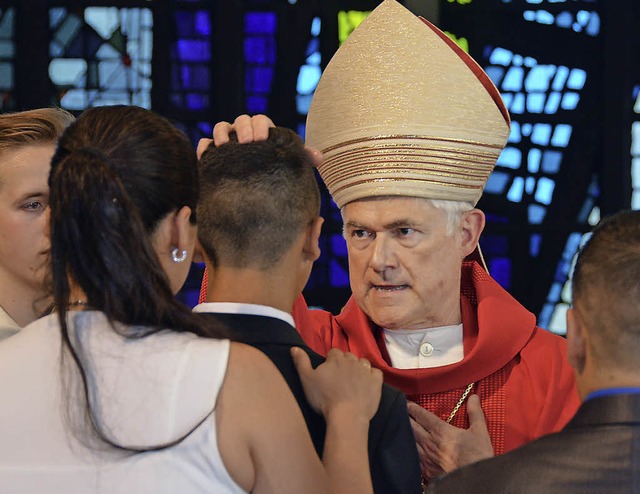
424 348
240 308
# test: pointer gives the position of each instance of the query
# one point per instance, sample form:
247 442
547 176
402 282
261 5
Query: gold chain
460 402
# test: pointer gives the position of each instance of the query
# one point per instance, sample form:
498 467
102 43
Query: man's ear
311 247
471 226
576 341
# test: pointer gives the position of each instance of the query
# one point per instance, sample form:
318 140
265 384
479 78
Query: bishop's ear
472 224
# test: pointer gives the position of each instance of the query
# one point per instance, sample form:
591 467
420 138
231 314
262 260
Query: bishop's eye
405 231
360 233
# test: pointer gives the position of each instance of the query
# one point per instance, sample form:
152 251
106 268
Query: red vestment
520 371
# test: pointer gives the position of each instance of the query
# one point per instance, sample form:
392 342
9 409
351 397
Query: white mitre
401 110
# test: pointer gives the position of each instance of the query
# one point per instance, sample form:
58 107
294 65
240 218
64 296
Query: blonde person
27 142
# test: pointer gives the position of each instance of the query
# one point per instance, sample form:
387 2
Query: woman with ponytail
123 389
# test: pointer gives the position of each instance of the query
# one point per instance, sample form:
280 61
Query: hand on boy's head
203 144
248 129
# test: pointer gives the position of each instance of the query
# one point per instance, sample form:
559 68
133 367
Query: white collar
424 348
241 308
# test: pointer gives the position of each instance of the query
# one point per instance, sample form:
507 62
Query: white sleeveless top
144 392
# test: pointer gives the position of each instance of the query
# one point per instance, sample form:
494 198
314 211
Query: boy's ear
312 239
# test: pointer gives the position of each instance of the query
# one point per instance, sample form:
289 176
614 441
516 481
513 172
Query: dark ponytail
117 172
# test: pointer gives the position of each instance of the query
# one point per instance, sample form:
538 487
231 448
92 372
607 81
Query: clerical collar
242 308
424 348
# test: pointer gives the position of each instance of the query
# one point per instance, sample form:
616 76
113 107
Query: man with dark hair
258 228
597 450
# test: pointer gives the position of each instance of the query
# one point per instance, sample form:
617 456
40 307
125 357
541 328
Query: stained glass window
191 67
101 56
7 54
260 58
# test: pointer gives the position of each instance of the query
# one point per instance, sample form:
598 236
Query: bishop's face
404 266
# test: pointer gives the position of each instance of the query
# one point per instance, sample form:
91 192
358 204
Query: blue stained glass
495 74
203 23
577 78
497 182
313 49
516 190
260 22
338 274
508 99
529 185
526 129
544 191
535 102
514 134
495 244
536 213
534 244
564 19
302 129
583 17
517 60
539 78
561 135
570 101
338 245
259 79
256 104
510 158
316 24
593 28
513 80
533 161
500 56
541 134
500 269
517 105
562 74
6 75
197 101
308 79
551 161
529 15
303 102
56 15
259 50
545 314
553 102
544 17
193 50
314 59
556 290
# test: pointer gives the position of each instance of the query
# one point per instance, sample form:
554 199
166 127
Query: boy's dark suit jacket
393 456
598 451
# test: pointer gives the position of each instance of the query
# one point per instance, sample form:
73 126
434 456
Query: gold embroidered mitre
401 110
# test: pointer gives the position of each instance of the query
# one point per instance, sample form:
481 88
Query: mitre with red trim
401 110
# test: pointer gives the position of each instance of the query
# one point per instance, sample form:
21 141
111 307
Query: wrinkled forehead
391 209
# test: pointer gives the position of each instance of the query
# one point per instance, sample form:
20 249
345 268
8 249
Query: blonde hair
41 126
